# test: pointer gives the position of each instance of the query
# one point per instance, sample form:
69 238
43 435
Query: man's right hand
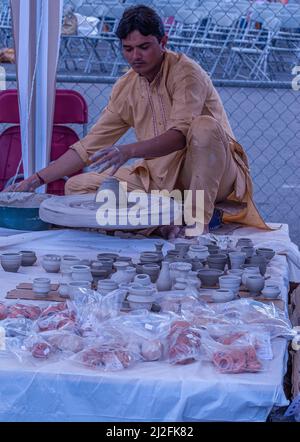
28 185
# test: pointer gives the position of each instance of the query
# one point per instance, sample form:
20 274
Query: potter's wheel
81 211
20 210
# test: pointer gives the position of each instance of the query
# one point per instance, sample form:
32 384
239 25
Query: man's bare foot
187 232
171 232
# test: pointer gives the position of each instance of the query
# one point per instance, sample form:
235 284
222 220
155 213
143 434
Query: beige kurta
180 92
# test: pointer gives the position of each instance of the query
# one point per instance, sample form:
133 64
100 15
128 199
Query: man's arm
108 129
69 163
116 156
159 146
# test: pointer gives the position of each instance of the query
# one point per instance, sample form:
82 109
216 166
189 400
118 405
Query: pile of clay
22 200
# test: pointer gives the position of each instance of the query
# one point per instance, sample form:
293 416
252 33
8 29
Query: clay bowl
113 256
217 261
222 295
11 261
244 242
41 286
258 261
266 253
137 302
51 263
271 291
152 270
213 249
255 284
28 258
98 271
209 277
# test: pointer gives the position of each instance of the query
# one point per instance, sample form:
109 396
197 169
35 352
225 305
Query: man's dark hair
143 19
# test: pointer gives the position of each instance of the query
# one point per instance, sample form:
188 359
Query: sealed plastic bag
233 358
183 343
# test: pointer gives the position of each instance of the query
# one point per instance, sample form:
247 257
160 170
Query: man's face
143 53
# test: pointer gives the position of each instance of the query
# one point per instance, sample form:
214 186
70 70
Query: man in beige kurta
184 138
182 97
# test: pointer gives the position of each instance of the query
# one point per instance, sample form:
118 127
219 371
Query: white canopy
37 27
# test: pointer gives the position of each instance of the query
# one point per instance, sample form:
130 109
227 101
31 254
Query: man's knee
203 127
72 185
205 132
84 183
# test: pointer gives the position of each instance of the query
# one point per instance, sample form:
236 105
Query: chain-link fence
249 48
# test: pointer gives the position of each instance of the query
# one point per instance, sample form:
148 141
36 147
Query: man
184 136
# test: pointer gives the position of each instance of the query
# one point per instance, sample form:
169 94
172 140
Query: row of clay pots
254 281
42 286
236 260
11 262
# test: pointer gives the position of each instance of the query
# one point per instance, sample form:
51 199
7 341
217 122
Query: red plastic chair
70 107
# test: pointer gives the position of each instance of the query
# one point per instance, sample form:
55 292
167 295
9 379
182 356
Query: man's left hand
113 156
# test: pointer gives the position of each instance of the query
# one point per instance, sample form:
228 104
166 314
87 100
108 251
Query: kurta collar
158 76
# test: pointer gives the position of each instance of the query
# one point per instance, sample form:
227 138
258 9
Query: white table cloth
154 391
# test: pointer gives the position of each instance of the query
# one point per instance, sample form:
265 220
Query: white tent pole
41 99
24 86
48 52
37 26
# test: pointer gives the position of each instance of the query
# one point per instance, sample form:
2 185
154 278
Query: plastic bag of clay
110 305
182 343
28 311
170 303
188 303
35 350
12 347
86 307
242 335
60 320
17 326
203 315
64 341
251 312
146 333
53 309
232 358
145 323
4 309
104 357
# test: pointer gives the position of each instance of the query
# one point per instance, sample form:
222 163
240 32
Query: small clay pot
112 256
217 261
81 273
106 286
259 261
41 286
28 258
271 291
266 253
255 283
223 295
152 270
209 277
142 279
244 242
51 263
11 262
